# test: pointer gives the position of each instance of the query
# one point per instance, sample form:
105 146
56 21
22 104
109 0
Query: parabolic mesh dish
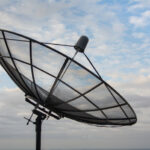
61 84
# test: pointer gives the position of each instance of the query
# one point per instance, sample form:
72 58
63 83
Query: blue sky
119 47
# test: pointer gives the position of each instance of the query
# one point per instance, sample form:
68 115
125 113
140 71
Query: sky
119 47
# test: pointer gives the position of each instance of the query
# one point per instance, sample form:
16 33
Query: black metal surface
75 91
38 126
49 113
81 44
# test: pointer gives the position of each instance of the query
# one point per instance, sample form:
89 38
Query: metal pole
38 124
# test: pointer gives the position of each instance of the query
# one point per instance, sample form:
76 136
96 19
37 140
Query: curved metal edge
98 121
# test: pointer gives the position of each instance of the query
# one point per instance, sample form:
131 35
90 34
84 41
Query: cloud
140 21
138 4
4 3
139 35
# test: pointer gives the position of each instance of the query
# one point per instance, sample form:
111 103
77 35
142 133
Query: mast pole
38 127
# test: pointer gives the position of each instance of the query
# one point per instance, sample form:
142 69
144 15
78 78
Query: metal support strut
38 124
41 113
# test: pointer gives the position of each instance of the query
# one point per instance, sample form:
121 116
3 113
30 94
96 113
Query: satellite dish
59 86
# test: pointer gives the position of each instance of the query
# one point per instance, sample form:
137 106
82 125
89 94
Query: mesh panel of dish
79 78
3 48
18 49
43 80
64 92
46 59
82 104
101 97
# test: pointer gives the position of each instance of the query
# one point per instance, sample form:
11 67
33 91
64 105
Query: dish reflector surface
61 84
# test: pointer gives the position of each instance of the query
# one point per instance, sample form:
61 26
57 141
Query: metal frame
24 86
27 90
30 48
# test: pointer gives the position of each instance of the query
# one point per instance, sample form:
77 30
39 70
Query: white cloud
140 21
139 35
138 4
